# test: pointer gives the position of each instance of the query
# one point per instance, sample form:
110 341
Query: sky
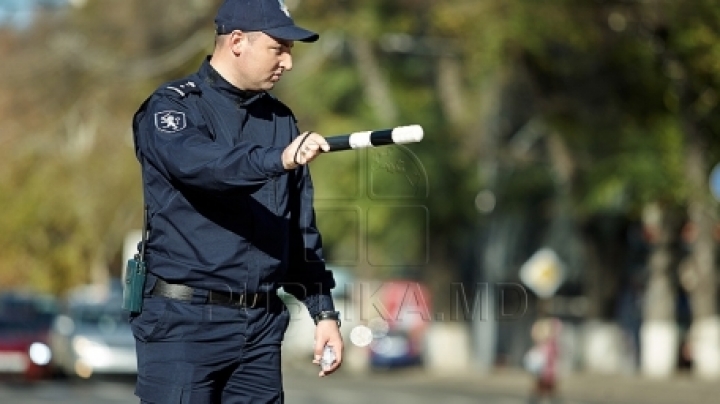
19 13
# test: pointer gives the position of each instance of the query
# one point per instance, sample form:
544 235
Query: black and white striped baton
383 137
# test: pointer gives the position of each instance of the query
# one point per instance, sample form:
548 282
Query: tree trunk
698 269
659 332
377 91
450 90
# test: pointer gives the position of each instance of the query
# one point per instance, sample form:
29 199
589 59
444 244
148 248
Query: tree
72 189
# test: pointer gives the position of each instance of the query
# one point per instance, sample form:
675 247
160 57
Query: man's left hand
327 332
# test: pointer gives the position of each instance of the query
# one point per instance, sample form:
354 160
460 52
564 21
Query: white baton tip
407 134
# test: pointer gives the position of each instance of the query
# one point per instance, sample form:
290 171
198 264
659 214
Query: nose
286 61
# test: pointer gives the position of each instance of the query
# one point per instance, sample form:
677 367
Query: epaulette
183 88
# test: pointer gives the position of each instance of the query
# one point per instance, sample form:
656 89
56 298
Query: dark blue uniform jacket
223 213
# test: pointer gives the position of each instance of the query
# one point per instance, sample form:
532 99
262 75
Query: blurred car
25 322
399 333
92 335
394 350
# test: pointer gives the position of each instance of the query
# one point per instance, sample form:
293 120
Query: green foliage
619 82
646 166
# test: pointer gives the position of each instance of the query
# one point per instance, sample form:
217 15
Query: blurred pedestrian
542 360
231 219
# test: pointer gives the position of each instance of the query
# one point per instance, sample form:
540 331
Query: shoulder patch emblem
170 121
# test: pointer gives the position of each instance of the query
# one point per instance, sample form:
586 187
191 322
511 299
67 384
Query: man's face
262 60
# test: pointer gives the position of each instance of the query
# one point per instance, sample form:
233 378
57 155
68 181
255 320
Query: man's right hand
304 149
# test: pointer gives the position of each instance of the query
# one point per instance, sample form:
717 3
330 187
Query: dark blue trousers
203 353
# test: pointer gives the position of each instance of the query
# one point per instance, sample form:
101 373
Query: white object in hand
328 357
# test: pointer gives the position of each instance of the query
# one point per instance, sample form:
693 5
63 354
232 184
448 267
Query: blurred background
568 172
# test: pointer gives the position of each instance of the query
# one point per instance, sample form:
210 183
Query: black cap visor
292 33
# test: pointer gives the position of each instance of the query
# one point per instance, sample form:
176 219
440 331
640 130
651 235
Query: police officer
231 219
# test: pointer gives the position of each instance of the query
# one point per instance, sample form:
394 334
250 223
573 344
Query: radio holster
135 274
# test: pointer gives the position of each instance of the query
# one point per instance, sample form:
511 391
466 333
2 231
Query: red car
25 322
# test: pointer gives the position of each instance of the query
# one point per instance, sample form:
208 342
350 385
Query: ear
237 41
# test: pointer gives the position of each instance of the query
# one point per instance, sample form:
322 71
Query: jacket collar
211 76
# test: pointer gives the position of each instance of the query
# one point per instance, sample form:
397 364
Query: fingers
304 149
310 146
317 354
335 365
336 361
318 351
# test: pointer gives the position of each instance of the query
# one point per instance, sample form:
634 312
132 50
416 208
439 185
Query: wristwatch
328 315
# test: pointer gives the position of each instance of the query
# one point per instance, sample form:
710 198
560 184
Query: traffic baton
374 138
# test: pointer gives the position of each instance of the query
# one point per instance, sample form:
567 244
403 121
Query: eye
281 48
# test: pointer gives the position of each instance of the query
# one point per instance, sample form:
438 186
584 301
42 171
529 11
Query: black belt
183 292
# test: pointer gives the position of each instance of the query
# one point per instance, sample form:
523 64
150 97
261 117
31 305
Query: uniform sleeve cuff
317 303
273 161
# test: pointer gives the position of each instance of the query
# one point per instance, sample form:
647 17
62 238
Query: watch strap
328 315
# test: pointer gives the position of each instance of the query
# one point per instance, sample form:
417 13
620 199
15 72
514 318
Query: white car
93 337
